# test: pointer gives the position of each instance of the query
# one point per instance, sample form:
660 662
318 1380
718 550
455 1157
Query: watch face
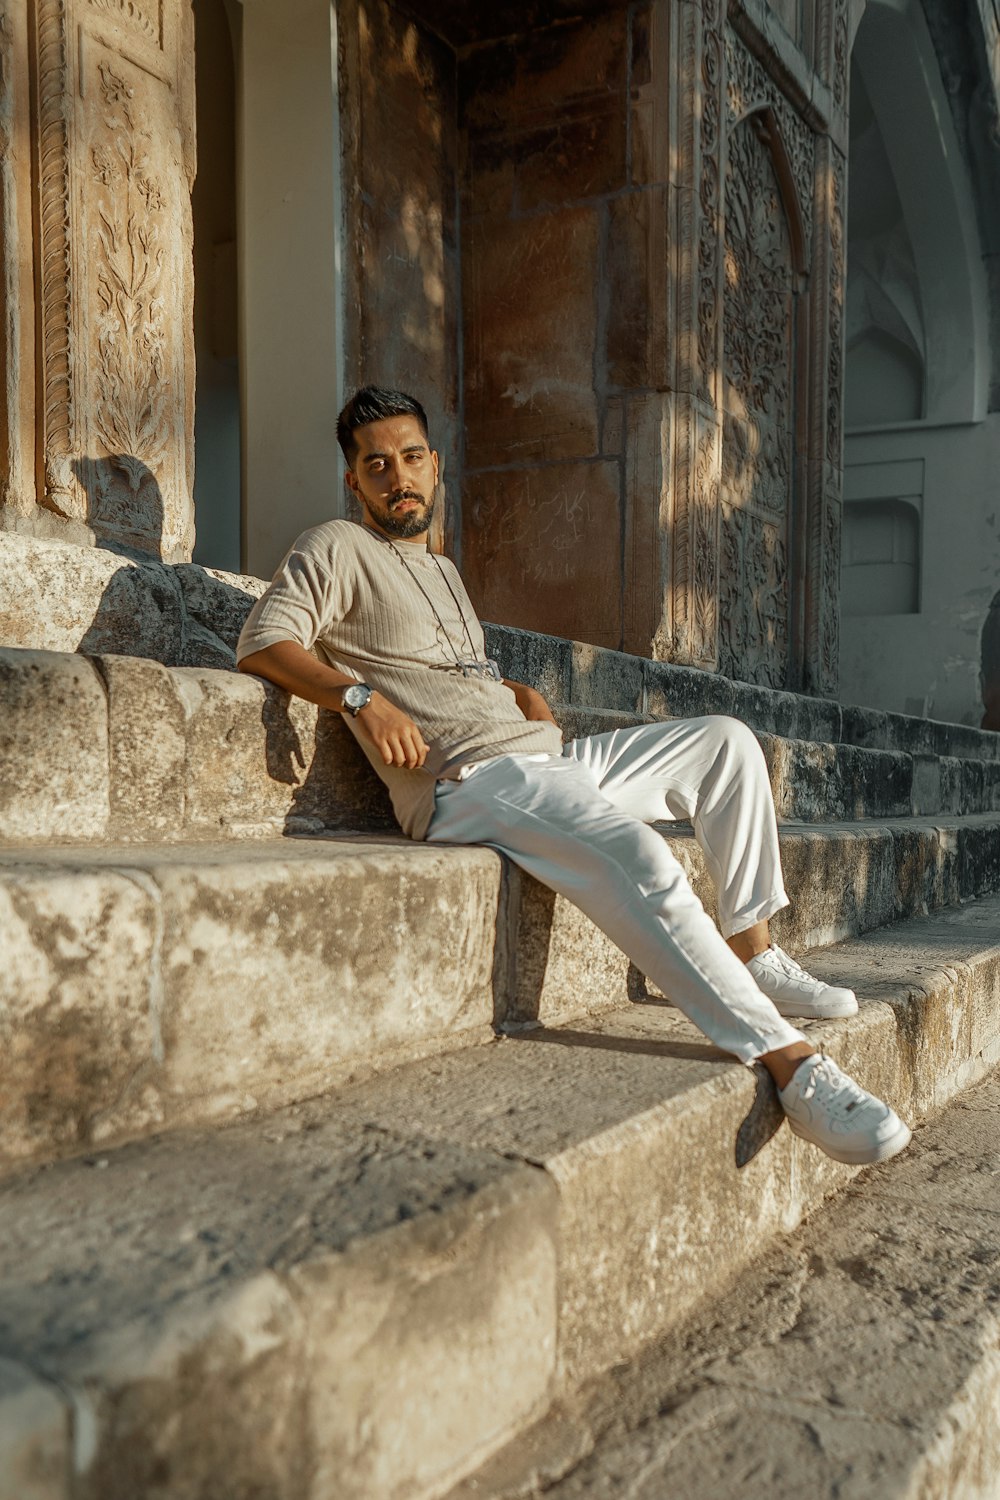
356 696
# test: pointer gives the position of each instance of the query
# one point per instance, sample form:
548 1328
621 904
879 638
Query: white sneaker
796 993
827 1107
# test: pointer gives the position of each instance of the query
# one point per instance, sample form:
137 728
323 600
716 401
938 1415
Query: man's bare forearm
293 668
393 733
530 701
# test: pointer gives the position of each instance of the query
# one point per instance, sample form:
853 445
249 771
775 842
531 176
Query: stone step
148 986
151 753
365 1295
63 598
816 782
593 676
856 1358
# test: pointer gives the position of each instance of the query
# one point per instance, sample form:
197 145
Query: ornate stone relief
757 434
56 273
749 89
115 308
146 18
709 200
130 404
837 282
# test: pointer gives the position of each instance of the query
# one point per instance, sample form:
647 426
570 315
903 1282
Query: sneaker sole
812 1012
865 1157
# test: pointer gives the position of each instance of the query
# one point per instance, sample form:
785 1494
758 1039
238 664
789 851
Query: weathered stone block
305 1305
979 858
35 1436
565 965
840 883
865 726
54 780
817 719
909 733
463 1304
218 601
241 769
607 679
317 967
58 597
674 692
963 740
767 710
79 1008
951 784
146 731
576 723
974 786
529 551
926 794
259 760
637 276
652 86
542 661
529 398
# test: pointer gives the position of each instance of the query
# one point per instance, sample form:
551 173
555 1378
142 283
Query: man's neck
418 543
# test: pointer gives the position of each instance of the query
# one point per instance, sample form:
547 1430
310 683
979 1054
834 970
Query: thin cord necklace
433 608
469 666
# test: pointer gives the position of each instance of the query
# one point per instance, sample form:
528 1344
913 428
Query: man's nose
397 478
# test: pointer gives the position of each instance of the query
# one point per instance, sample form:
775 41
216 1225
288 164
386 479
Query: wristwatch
355 697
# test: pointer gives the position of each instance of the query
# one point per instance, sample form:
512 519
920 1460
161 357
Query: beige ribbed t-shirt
383 613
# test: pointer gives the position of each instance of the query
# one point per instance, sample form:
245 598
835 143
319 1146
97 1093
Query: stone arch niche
763 267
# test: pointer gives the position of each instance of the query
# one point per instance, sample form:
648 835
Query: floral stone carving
757 445
116 276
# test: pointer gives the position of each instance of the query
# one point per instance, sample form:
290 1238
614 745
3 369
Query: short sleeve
308 593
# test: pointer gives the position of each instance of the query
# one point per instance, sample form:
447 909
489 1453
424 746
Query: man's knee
734 739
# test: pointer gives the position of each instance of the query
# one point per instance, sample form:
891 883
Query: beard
410 523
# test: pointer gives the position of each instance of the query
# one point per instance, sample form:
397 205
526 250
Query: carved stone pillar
17 334
755 425
114 163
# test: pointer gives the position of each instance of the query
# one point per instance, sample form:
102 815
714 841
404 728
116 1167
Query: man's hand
530 702
393 733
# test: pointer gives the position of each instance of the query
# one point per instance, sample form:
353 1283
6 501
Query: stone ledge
273 1316
857 1357
397 1231
154 752
148 987
60 597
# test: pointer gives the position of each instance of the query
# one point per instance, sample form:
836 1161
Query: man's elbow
256 663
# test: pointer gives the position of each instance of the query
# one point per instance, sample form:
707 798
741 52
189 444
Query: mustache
407 495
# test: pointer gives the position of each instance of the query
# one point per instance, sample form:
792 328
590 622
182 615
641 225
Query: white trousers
579 824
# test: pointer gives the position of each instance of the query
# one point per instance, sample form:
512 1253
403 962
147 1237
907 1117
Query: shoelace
786 962
826 1076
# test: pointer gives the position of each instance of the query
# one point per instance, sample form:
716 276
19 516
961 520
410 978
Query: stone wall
401 265
96 99
652 266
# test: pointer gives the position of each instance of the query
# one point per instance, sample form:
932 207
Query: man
471 759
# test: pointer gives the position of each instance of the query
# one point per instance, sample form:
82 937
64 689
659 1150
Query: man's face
394 475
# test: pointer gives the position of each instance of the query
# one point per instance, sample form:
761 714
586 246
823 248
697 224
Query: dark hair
373 403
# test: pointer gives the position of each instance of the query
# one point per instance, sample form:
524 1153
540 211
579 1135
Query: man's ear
351 480
437 467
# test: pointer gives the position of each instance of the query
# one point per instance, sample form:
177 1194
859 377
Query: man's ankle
783 1061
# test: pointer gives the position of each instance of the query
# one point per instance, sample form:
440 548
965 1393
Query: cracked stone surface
858 1358
308 1305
